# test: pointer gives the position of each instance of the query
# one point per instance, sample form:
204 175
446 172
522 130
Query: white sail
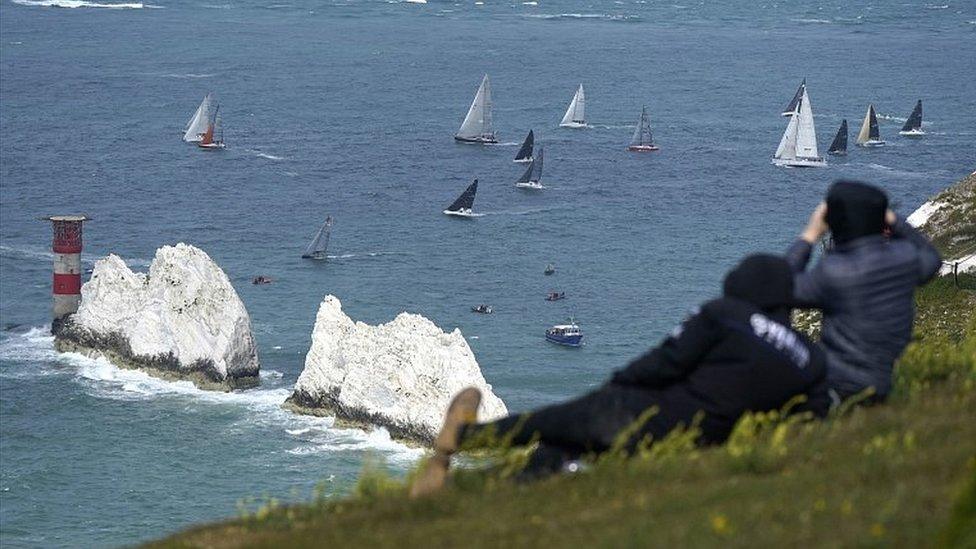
787 145
197 125
806 134
477 123
576 113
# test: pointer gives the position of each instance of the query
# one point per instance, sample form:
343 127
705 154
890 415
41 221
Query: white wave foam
523 212
895 171
72 4
24 352
187 75
606 16
364 254
26 252
820 21
268 156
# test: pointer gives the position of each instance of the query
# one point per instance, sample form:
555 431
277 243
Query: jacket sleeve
676 357
929 259
807 285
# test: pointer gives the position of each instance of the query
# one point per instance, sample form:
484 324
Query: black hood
855 209
764 280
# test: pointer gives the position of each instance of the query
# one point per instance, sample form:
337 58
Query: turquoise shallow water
348 108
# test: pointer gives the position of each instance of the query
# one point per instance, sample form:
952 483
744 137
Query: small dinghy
555 296
197 125
642 141
261 279
838 147
476 127
317 247
569 335
462 206
550 269
913 126
798 146
214 136
791 108
481 309
575 116
532 177
870 135
525 151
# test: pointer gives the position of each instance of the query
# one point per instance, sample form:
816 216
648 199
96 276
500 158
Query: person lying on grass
735 354
865 285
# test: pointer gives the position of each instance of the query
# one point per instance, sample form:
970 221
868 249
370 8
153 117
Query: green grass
901 474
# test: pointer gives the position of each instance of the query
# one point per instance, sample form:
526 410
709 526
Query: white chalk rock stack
182 320
400 375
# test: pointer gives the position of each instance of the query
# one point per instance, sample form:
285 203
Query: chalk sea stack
400 375
182 320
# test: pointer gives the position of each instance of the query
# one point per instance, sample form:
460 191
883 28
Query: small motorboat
569 335
483 309
550 269
555 296
261 279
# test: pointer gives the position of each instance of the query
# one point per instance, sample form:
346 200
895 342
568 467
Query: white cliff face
401 375
185 308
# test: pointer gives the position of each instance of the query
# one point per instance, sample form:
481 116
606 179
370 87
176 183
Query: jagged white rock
964 264
921 216
183 319
400 375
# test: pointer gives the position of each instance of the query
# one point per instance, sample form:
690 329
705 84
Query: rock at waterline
182 320
400 375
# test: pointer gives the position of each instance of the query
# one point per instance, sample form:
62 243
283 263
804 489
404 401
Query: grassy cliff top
952 227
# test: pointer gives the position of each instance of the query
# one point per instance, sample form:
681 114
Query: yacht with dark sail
531 179
838 147
317 247
642 141
525 151
791 108
476 127
462 206
913 126
798 146
870 135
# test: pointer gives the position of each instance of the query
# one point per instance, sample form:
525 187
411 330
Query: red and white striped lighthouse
67 265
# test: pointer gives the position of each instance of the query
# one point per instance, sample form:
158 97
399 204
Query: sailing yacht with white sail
642 141
213 138
798 147
462 206
838 147
913 126
575 116
525 151
869 135
197 125
317 247
791 108
476 127
533 174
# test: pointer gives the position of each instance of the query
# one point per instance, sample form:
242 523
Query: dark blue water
348 108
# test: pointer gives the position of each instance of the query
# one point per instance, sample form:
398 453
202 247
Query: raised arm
929 259
807 286
676 357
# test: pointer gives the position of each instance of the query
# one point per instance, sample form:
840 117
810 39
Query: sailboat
197 125
476 127
869 135
462 206
913 126
791 108
575 116
838 147
642 141
525 151
798 147
317 247
533 174
213 138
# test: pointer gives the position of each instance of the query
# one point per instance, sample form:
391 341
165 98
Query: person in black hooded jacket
735 354
865 285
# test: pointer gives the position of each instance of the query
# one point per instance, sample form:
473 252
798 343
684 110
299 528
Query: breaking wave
72 4
576 16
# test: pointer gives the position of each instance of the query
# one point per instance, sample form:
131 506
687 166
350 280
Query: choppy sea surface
348 108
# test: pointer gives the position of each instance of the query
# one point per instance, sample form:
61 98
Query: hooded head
764 280
855 209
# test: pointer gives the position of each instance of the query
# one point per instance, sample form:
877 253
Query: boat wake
31 353
574 16
363 255
817 21
187 76
528 211
260 154
612 127
72 4
896 172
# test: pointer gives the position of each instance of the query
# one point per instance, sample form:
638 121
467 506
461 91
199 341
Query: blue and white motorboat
565 334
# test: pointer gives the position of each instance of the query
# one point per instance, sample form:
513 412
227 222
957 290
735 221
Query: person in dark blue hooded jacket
864 284
734 354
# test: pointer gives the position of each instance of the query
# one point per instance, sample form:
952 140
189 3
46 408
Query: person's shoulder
728 307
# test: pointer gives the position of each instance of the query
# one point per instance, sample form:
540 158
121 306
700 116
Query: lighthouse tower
67 266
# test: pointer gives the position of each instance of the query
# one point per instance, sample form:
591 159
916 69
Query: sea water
348 108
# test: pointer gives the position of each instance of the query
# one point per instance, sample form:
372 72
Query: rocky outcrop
400 375
182 320
949 219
